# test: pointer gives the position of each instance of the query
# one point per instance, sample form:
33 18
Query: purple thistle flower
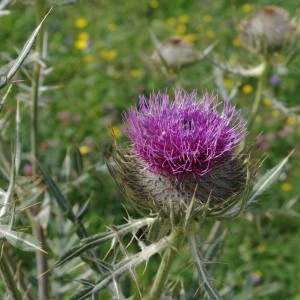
182 150
183 136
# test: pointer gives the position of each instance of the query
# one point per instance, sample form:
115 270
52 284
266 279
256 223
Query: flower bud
175 53
268 30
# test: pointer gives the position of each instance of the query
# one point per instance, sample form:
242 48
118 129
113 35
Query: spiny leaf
82 294
78 163
123 266
99 239
21 240
10 190
203 274
267 180
4 97
122 230
23 54
62 202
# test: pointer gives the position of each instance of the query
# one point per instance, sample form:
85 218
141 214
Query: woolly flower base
217 190
182 151
175 53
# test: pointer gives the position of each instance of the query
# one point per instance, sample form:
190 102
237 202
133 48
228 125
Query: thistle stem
41 259
166 263
259 94
9 280
40 10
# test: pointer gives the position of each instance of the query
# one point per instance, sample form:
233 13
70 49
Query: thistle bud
268 30
175 53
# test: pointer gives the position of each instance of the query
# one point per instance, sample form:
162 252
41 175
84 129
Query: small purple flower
256 277
69 40
64 116
27 169
183 136
182 150
275 80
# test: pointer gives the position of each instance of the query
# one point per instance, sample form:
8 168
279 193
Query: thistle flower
175 53
182 151
268 30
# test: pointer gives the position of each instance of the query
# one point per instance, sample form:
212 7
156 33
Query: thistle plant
183 165
186 166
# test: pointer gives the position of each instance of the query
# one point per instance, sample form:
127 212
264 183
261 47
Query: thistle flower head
182 150
184 136
268 30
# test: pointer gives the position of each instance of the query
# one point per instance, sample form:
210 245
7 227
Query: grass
99 63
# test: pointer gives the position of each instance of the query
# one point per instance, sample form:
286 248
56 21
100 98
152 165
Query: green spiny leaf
54 189
203 274
267 180
23 54
21 240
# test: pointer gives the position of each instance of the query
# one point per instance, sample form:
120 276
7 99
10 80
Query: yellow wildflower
227 82
275 113
171 22
117 132
109 55
258 273
190 38
154 4
88 59
83 36
236 42
286 186
210 34
84 150
247 7
291 120
247 89
184 19
207 18
267 102
81 23
81 44
261 248
135 73
181 29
